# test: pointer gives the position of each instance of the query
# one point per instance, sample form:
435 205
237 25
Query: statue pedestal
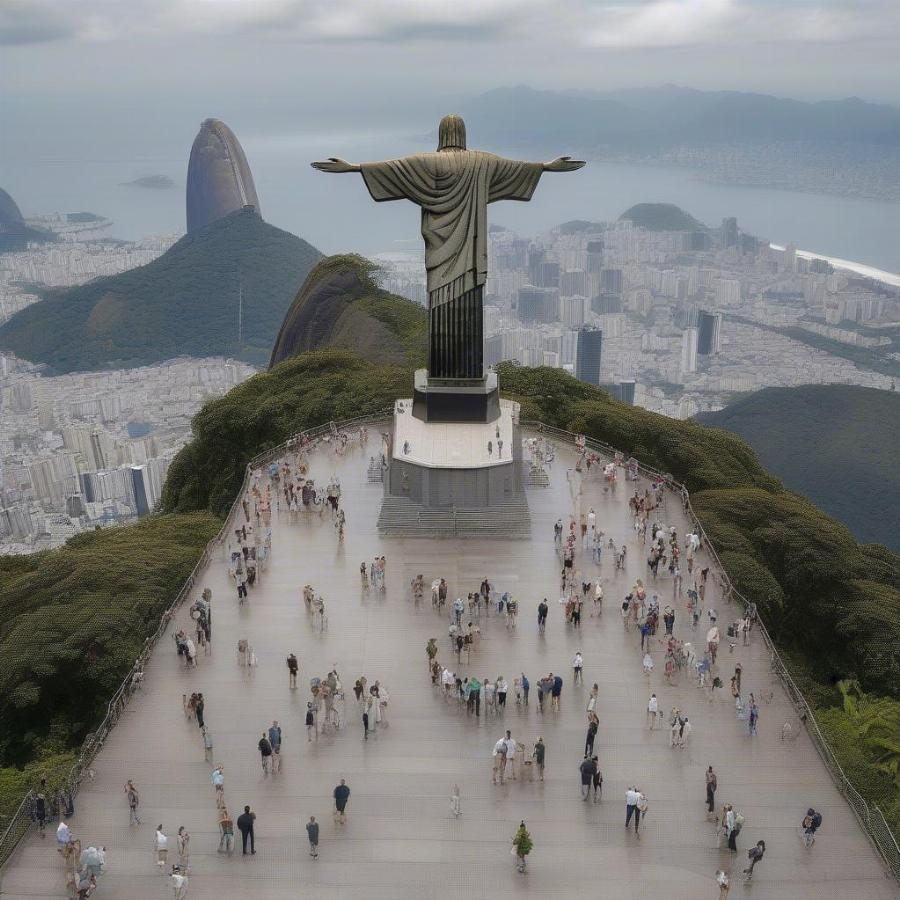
455 479
475 400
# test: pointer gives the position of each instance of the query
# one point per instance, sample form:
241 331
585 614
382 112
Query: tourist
311 722
556 691
588 769
312 832
161 845
755 854
502 690
511 749
593 725
592 697
542 615
134 799
455 802
63 837
183 845
538 754
293 667
810 825
341 795
526 687
218 782
724 884
226 833
265 753
632 798
245 825
275 742
578 668
499 761
179 881
598 780
711 785
522 844
652 711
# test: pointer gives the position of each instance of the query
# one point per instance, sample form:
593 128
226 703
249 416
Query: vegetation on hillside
265 410
661 217
828 441
73 620
185 303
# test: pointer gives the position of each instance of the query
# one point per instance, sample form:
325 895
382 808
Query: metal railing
869 815
20 821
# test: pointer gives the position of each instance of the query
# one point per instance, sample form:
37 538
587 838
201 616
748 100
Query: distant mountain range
837 444
652 119
185 303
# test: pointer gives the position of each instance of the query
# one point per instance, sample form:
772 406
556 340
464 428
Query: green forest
219 291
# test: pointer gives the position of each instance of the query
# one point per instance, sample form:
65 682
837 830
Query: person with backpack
755 854
134 799
293 667
811 822
265 753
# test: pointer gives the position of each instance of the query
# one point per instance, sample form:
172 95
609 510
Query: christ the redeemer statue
453 186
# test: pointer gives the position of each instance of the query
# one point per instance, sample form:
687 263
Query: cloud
22 22
575 24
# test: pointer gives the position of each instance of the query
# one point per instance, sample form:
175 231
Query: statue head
452 133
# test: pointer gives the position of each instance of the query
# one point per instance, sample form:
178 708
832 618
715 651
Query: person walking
312 832
652 711
711 785
511 748
522 846
134 799
499 761
161 845
265 753
632 798
724 884
245 825
341 796
755 854
538 755
811 822
598 780
455 802
543 609
588 769
311 723
226 833
179 881
293 667
275 743
183 845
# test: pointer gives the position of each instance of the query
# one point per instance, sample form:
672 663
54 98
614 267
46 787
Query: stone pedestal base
475 400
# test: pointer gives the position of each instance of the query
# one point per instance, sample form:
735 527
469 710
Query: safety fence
21 820
869 816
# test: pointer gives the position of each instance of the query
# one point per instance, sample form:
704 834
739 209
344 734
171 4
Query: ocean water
335 213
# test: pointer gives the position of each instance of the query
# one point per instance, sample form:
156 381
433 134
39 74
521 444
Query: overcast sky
390 56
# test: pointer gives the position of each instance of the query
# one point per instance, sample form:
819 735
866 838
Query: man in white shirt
632 798
63 836
162 848
652 711
179 885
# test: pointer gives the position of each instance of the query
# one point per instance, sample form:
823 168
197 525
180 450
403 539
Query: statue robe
453 187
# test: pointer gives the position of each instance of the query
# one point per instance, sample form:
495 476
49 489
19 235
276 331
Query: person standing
499 761
543 609
199 707
275 743
455 802
183 846
724 884
226 833
538 755
341 796
265 753
312 832
711 785
652 711
511 748
293 667
593 725
587 769
134 799
179 885
556 692
522 844
311 723
578 668
811 822
161 844
245 825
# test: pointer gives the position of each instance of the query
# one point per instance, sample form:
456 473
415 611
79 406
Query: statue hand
333 164
563 164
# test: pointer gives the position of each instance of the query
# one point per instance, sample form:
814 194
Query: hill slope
183 304
831 443
340 306
661 217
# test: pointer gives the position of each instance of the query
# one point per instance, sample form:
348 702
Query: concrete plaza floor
400 840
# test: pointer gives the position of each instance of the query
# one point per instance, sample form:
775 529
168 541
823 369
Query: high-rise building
709 333
729 232
573 283
611 281
537 304
689 350
572 311
589 354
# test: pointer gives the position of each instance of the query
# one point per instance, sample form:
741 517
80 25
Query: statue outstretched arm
334 164
561 164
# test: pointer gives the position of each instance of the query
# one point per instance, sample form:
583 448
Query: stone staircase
507 519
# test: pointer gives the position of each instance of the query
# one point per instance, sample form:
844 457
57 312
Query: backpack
816 821
738 821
